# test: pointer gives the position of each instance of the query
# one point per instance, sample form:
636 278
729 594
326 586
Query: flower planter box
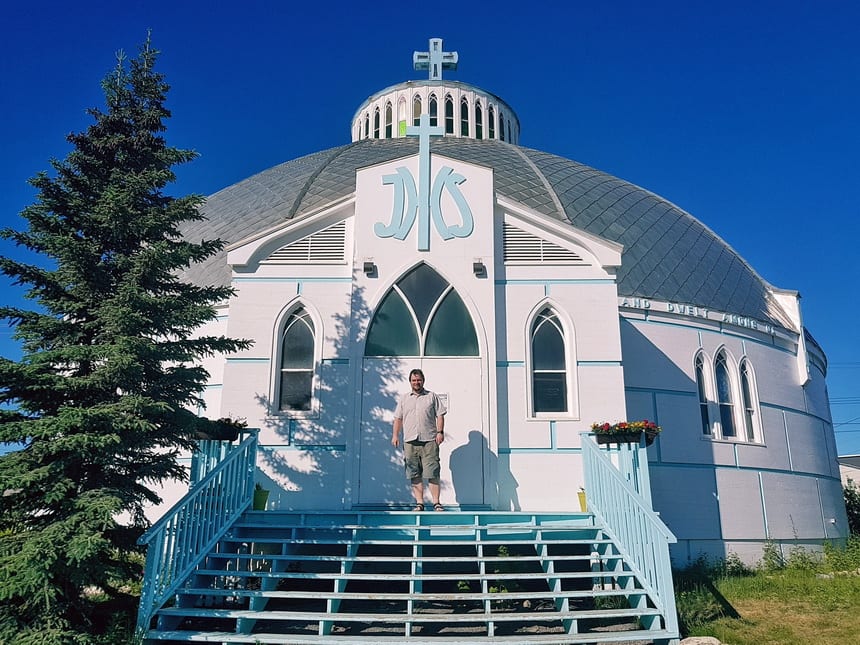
624 437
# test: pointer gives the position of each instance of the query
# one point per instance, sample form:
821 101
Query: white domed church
539 296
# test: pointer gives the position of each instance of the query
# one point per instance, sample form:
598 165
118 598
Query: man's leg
418 490
433 485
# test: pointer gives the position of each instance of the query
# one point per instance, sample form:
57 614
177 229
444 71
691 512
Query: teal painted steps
405 577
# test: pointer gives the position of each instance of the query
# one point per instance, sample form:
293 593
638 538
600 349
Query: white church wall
741 513
545 481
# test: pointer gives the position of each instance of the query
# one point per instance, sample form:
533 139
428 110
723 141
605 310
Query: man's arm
395 432
440 428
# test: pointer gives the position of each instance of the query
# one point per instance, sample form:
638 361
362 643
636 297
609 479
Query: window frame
750 406
571 379
283 319
704 394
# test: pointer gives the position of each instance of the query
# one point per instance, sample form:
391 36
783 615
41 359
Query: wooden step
406 577
411 617
638 635
415 597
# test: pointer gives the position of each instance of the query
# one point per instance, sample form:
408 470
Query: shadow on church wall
349 444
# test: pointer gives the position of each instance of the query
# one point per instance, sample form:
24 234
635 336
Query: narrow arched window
449 114
422 315
502 127
479 121
464 117
703 397
376 123
388 120
433 110
402 115
725 395
491 122
747 393
416 110
548 364
295 387
366 126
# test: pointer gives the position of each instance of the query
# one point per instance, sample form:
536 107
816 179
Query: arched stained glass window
479 121
464 117
702 392
376 123
491 122
295 389
451 332
449 114
725 395
366 126
549 369
501 127
422 315
748 400
433 110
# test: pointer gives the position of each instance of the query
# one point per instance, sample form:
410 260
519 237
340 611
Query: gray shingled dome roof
668 254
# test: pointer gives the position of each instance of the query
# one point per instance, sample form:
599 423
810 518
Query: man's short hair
418 372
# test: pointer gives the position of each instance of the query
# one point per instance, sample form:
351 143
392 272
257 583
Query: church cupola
460 109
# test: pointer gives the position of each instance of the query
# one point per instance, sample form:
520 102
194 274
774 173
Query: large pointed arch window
725 395
701 389
422 315
549 373
297 362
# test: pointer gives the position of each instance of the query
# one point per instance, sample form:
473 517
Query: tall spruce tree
100 400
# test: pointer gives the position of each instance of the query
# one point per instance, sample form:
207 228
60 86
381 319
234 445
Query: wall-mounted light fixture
478 267
369 267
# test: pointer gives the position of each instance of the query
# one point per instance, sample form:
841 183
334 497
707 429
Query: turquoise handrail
641 536
180 540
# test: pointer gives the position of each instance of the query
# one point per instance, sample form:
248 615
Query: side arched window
491 123
297 362
479 121
748 394
549 374
433 110
701 389
725 395
376 123
422 315
366 126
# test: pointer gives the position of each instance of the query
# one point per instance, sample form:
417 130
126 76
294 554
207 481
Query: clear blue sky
745 114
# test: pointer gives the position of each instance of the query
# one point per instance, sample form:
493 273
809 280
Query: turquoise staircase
373 577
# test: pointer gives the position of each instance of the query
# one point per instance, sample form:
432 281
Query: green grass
796 600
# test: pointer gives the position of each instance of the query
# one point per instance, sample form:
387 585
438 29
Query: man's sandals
436 507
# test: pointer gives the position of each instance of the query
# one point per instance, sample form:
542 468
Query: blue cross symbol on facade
426 202
435 60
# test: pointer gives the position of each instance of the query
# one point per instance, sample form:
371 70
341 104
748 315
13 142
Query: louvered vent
324 247
525 247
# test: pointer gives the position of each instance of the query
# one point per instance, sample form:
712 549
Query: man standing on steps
420 414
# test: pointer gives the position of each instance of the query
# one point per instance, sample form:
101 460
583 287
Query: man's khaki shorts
421 459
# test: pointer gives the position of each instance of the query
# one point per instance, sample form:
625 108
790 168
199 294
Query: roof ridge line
310 180
544 181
